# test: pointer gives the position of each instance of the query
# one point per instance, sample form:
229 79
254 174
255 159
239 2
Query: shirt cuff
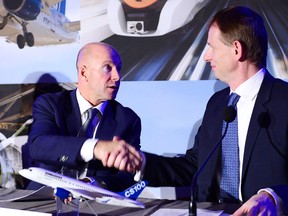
139 173
272 193
87 150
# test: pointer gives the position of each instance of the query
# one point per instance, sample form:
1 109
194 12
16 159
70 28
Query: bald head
87 52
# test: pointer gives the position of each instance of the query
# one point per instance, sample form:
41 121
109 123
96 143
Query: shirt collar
85 105
250 88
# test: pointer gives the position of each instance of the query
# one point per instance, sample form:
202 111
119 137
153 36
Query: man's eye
107 68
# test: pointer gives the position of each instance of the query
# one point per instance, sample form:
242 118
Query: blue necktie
229 185
88 127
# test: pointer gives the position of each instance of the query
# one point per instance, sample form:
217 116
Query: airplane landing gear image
27 37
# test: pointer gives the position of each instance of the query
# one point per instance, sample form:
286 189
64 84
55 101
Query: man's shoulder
117 106
220 94
55 96
53 99
281 83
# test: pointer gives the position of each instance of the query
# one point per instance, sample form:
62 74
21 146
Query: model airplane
36 22
150 17
64 186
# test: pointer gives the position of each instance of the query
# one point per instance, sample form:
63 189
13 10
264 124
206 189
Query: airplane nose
21 172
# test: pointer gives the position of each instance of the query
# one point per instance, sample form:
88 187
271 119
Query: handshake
118 154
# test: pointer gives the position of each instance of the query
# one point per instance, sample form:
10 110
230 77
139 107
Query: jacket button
63 158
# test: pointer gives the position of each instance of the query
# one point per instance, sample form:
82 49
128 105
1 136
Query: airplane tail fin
61 6
134 191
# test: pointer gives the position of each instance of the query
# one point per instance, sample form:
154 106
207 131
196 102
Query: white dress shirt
86 151
248 92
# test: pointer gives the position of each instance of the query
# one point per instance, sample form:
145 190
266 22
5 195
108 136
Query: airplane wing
105 197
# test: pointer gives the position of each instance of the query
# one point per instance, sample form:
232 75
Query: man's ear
83 72
239 50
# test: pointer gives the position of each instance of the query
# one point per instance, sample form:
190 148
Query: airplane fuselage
56 180
48 26
53 28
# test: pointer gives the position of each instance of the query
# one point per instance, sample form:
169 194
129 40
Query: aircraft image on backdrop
11 156
64 186
15 119
36 22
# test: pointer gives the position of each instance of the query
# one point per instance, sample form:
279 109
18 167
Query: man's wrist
87 150
94 151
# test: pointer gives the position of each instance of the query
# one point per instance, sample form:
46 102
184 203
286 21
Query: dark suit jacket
265 161
53 137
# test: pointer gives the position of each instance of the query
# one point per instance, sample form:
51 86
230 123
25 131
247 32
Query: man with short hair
56 139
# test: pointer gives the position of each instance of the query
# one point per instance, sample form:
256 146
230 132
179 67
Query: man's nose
115 76
207 55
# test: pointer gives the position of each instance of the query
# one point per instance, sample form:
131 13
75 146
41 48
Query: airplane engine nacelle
25 9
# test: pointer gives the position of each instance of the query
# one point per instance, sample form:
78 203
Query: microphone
229 115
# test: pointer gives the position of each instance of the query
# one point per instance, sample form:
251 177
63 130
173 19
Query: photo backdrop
164 78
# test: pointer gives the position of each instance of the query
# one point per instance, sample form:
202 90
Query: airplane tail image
134 191
61 7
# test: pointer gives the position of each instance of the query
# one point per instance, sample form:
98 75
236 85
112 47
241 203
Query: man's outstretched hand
259 204
118 154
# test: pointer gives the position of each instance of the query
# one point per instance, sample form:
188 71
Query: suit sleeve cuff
139 173
87 150
272 194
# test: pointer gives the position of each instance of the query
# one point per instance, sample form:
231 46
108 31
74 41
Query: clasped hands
118 154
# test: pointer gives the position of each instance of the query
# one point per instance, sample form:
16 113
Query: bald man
55 141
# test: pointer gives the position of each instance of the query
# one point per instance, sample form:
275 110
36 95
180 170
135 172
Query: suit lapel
72 113
259 110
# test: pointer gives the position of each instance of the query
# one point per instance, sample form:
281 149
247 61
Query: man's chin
111 97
